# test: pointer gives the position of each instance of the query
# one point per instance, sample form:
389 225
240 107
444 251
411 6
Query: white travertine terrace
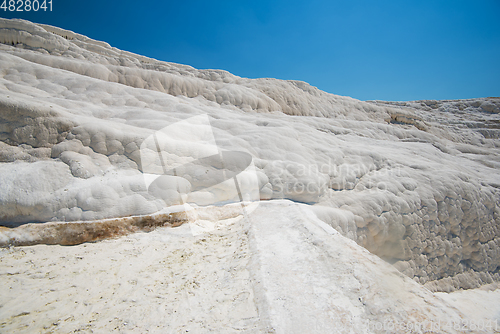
416 183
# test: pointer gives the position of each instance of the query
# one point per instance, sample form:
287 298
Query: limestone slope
416 183
277 270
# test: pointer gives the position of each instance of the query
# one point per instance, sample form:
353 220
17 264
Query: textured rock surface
416 183
279 270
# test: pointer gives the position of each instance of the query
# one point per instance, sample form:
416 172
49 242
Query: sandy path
166 281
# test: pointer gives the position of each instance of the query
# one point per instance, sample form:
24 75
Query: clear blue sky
386 50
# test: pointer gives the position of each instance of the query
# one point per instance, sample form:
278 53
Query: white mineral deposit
144 196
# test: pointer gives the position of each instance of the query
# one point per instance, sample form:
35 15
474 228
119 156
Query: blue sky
385 50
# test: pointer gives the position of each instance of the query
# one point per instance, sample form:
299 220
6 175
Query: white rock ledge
416 183
277 270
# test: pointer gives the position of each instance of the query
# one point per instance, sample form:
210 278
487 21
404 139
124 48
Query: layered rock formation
416 183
